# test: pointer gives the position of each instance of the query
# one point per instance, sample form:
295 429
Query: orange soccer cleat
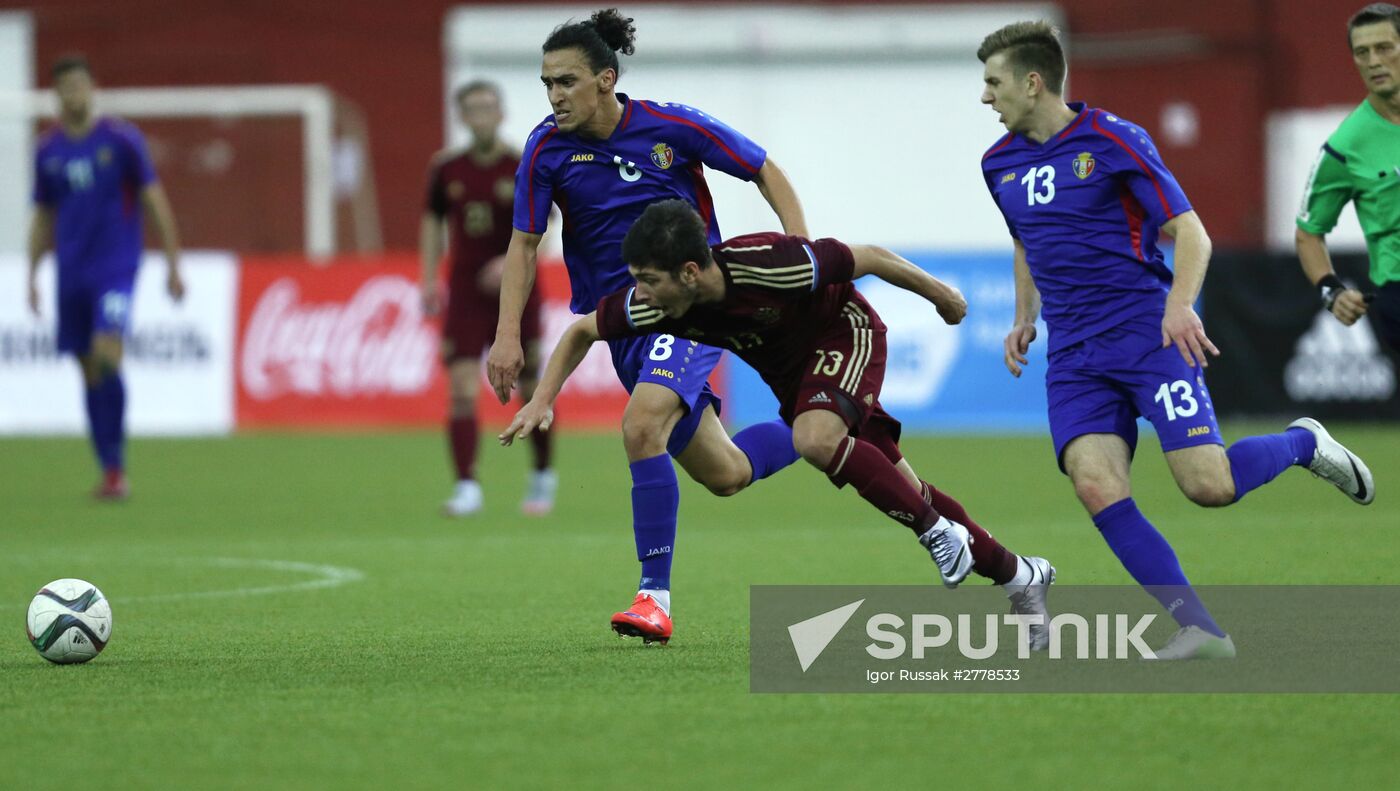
644 619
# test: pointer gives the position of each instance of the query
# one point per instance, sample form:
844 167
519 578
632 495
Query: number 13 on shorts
1177 399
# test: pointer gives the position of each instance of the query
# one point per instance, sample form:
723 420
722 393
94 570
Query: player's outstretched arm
539 413
1348 304
897 271
40 241
775 187
1180 324
1018 341
157 207
507 357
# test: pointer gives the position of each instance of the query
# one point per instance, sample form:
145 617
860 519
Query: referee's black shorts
1385 314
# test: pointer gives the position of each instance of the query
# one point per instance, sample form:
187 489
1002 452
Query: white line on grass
326 576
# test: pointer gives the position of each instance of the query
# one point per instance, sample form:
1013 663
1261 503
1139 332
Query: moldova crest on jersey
1084 165
662 155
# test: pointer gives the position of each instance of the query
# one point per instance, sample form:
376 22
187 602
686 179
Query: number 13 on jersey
1042 192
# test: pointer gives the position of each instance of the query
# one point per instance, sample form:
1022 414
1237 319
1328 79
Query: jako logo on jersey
582 158
1084 165
1197 431
662 155
820 398
1008 177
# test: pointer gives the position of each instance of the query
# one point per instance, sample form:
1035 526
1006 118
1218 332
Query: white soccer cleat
1335 464
950 546
1193 642
1029 599
466 500
539 493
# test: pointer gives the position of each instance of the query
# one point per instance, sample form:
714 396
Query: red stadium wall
1232 60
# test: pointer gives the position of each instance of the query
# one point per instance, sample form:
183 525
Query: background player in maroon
471 190
788 308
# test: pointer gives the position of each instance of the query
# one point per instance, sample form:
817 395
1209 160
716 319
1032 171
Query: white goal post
314 105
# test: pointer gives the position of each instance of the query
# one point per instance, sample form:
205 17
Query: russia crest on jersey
662 155
1084 165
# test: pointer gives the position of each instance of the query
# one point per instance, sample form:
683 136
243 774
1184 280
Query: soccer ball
69 621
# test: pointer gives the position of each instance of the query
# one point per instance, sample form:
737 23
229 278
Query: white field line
323 576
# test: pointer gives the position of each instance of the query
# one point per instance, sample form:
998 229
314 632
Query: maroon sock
541 444
989 558
864 467
461 432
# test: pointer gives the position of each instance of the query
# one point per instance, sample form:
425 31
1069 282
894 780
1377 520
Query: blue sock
1254 461
656 498
768 446
92 399
107 415
1150 559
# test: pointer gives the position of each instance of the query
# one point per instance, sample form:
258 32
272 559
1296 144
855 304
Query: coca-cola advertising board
346 345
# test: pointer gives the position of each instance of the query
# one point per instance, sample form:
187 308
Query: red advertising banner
346 345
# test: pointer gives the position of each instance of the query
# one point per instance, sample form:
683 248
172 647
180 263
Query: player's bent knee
643 435
1097 494
727 485
817 447
1209 493
462 406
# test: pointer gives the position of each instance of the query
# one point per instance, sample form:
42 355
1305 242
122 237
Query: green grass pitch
476 653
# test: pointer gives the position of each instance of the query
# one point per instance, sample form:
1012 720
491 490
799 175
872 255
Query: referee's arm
1348 304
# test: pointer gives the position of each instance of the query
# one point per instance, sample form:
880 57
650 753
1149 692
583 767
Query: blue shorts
1103 384
677 364
88 309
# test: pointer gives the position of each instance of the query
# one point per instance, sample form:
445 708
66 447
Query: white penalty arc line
326 577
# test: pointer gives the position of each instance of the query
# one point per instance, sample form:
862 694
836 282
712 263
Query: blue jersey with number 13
1087 205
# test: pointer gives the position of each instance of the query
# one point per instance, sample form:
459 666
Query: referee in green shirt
1360 162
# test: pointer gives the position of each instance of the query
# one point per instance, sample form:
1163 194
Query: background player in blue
93 179
603 157
1084 194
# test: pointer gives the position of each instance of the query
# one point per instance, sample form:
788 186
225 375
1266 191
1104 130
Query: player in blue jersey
602 157
93 179
1085 194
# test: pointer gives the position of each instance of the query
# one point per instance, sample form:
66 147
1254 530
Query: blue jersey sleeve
137 168
534 182
990 175
1140 167
43 188
987 177
710 140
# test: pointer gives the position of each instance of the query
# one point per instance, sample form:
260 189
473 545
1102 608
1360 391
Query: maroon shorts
844 375
469 325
